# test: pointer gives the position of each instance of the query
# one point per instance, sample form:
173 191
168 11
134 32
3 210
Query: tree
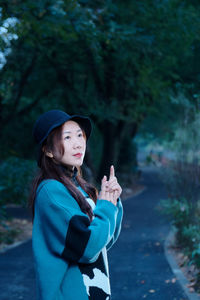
114 61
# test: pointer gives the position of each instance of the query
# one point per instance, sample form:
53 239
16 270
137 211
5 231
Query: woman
73 226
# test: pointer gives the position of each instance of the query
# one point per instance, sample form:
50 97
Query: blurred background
133 67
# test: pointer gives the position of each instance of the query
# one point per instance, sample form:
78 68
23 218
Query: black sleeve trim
77 238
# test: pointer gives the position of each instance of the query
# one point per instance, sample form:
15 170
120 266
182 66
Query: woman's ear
47 153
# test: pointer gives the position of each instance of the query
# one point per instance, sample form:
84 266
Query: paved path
138 266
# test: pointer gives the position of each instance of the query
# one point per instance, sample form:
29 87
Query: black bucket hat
54 118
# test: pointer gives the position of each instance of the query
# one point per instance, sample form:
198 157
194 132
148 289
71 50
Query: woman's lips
78 155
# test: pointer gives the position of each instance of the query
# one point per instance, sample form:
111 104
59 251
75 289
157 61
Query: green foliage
186 141
16 175
8 235
110 60
181 177
196 255
2 208
191 234
178 210
187 226
116 61
189 239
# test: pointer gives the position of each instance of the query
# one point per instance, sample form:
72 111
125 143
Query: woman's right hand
105 194
110 190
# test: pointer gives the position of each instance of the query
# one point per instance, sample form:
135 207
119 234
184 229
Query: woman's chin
79 164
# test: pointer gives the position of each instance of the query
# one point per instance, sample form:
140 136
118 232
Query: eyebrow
70 131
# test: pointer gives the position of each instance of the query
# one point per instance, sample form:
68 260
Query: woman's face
74 142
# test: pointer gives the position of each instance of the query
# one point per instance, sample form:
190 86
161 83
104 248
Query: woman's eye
80 134
67 137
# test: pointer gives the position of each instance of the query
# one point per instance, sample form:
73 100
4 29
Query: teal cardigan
70 252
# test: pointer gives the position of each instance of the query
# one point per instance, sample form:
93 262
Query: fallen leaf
126 226
167 281
145 295
147 254
157 244
191 284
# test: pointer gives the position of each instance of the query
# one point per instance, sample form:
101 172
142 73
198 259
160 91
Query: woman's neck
70 171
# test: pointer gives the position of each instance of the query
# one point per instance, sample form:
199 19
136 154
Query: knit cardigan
70 252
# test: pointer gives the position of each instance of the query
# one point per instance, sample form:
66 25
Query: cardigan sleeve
66 230
118 225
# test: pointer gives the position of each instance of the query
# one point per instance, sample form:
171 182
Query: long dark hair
50 168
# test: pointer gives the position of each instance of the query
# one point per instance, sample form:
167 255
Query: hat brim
84 123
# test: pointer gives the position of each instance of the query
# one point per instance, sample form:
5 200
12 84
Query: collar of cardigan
72 173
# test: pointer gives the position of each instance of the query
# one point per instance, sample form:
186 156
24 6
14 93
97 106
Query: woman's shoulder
55 192
51 185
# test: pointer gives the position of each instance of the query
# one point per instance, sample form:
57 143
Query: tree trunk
109 148
113 136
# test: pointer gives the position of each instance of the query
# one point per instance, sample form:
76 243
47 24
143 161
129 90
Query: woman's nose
77 144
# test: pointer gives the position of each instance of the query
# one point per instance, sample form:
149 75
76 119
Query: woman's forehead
71 126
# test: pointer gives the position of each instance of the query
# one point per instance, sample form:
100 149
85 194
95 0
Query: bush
178 210
7 235
15 178
187 226
182 181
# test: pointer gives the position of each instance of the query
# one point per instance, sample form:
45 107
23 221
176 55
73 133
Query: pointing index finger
112 172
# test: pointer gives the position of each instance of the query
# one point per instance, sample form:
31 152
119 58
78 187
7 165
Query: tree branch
23 82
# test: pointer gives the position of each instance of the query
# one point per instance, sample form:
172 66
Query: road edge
14 245
175 267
